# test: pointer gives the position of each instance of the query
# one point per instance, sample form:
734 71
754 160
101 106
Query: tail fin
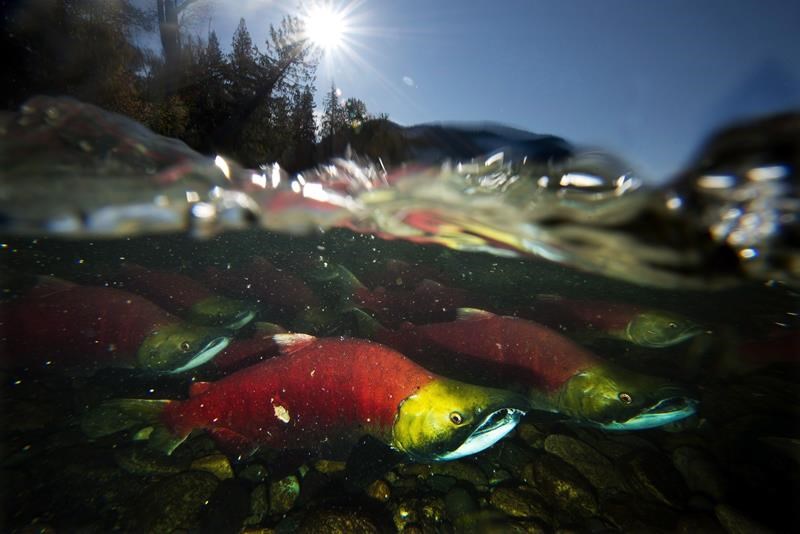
49 285
117 415
366 326
347 280
337 281
336 273
268 329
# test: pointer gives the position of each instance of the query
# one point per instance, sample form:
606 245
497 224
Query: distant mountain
435 143
770 87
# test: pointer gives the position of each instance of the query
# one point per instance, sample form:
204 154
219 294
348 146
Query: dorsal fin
549 297
348 278
49 285
262 262
427 283
366 325
132 267
198 388
232 442
265 328
472 314
289 343
131 272
394 263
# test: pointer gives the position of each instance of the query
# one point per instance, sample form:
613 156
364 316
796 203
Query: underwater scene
447 379
223 310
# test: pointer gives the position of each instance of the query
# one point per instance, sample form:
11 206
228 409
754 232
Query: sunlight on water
177 329
585 209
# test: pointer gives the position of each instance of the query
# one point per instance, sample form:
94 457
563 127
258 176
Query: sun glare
325 27
338 29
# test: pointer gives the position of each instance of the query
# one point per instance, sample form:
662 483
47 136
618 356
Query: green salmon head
178 347
447 419
221 311
317 321
616 399
658 329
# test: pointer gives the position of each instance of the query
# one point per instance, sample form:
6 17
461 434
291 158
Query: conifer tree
333 118
260 80
255 104
243 59
208 94
355 112
304 130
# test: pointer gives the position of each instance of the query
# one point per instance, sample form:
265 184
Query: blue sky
646 79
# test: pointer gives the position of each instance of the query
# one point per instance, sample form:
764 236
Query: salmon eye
456 418
673 325
625 398
186 346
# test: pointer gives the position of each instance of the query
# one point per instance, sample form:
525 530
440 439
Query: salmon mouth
491 430
204 355
665 411
653 340
241 320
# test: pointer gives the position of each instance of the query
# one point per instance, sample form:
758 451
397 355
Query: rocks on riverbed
546 477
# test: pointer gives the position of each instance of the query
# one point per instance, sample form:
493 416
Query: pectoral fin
117 415
369 460
366 326
472 314
232 442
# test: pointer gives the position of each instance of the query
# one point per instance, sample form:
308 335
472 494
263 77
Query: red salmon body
68 324
399 273
187 297
243 352
493 350
427 302
326 390
568 314
172 291
780 347
260 281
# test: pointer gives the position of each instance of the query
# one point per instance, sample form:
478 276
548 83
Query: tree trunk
167 11
228 137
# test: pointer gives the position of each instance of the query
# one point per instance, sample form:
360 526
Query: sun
325 27
336 31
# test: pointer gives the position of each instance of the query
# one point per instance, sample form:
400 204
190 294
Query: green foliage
342 125
355 112
73 47
263 89
243 61
209 94
334 119
169 117
252 102
304 130
379 138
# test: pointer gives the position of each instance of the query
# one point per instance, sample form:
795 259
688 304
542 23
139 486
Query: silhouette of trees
251 101
77 47
342 122
333 119
355 112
